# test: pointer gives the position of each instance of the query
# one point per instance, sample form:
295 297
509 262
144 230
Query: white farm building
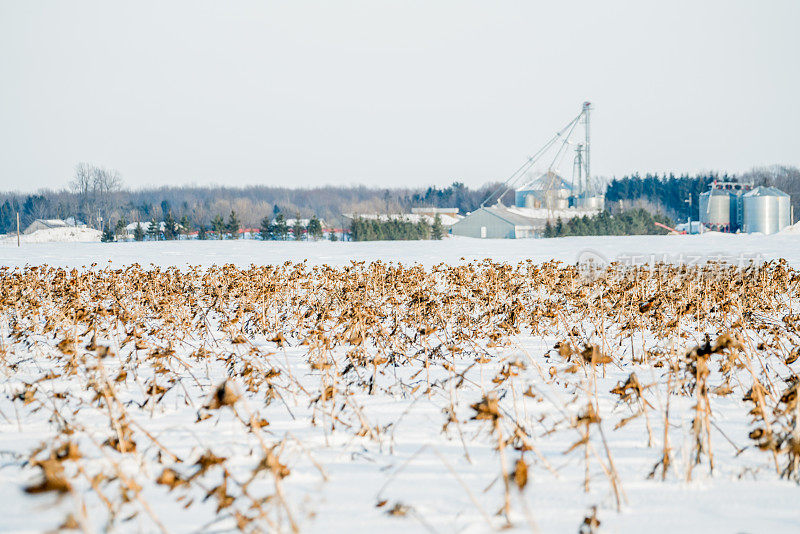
44 224
501 222
496 222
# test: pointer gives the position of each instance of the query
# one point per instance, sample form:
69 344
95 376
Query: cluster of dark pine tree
456 195
33 207
396 229
278 229
670 191
169 228
633 222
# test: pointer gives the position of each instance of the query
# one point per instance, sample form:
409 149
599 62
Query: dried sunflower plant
256 399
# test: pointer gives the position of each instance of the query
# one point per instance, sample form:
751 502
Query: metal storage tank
528 201
590 202
715 208
548 190
784 208
761 212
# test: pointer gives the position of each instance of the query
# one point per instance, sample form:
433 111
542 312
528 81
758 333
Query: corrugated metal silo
715 208
784 208
548 190
590 202
529 201
761 211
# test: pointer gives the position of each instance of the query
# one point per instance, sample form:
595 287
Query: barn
495 222
44 224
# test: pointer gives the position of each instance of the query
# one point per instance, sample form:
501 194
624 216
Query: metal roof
508 216
765 191
542 183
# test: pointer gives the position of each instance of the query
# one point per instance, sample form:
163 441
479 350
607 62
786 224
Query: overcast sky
390 93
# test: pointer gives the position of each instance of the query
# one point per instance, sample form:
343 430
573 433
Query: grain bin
784 208
549 190
715 209
590 202
761 210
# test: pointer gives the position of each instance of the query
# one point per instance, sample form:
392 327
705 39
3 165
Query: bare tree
95 188
785 178
106 183
81 185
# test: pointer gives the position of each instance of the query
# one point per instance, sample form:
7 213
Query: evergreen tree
632 222
185 225
437 230
218 226
108 234
266 230
138 232
281 229
393 229
8 216
314 228
559 229
422 231
233 225
201 232
153 231
169 226
332 235
548 229
297 229
119 228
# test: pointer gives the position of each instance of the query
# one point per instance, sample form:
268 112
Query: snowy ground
69 234
448 482
630 249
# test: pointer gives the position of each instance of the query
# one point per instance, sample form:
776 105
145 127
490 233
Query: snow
793 229
739 248
544 213
446 219
419 466
67 234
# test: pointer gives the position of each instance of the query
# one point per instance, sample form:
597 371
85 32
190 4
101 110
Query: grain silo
549 191
715 209
722 207
784 209
766 210
590 202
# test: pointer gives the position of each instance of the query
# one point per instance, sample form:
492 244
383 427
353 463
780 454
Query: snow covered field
69 234
394 445
629 249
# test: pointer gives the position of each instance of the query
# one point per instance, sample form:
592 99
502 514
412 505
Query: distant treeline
98 205
633 222
96 196
671 193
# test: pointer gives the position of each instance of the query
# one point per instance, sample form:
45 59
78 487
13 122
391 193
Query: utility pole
17 228
578 166
689 201
587 107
